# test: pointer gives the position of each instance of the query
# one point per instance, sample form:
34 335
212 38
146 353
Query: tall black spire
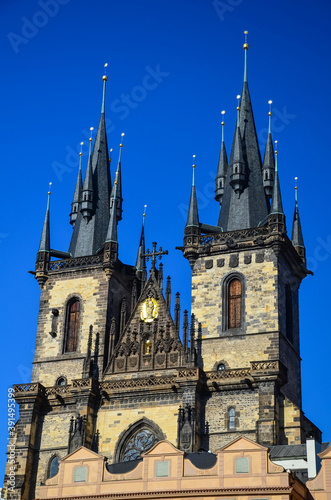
87 200
276 205
119 199
141 259
75 205
193 216
45 244
268 167
222 168
250 209
87 239
297 238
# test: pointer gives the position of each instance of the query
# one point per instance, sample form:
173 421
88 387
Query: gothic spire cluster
247 189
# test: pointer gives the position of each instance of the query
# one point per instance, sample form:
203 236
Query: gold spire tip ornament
245 44
276 143
49 188
296 183
144 214
238 99
270 102
122 135
91 129
193 161
81 147
105 78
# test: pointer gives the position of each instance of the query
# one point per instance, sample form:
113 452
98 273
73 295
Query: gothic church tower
246 275
114 371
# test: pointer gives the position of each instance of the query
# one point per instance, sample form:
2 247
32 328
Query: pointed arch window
72 325
138 439
235 303
53 467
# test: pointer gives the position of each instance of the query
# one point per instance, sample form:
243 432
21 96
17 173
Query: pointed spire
104 78
75 205
297 238
251 208
87 239
245 49
119 198
87 201
237 164
112 227
193 216
268 166
222 167
45 245
168 293
141 259
276 205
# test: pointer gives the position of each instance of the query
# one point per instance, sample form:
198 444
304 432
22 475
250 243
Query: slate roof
249 209
88 238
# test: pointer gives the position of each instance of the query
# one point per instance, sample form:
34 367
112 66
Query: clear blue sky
52 56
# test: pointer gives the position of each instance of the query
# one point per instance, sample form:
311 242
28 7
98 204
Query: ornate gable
150 340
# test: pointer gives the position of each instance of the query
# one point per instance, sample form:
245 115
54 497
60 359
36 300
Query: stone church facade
114 373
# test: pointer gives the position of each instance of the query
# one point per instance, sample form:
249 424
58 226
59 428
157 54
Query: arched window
138 439
61 381
232 418
72 325
234 304
53 467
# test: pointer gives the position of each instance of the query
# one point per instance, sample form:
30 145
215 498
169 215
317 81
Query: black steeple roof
297 238
45 244
193 216
89 237
222 169
141 260
249 209
276 205
112 227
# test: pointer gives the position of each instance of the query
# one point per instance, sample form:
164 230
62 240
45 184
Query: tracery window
234 304
72 325
140 442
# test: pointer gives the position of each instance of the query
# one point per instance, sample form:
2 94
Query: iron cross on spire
153 254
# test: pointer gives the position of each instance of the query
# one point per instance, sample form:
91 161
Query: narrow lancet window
72 326
235 304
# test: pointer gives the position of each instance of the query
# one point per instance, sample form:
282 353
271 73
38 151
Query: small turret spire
141 259
193 216
104 78
297 238
119 198
222 167
245 49
112 228
75 205
276 206
45 245
268 166
237 163
87 202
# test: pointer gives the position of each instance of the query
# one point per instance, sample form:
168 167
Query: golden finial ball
222 123
238 108
269 113
105 78
80 154
245 46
